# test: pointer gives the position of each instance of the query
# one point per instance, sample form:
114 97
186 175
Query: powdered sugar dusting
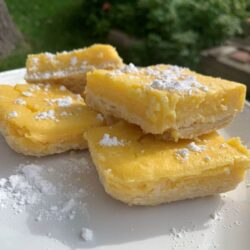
207 158
20 101
68 206
62 88
74 65
25 188
87 234
34 88
49 195
73 61
46 115
194 147
63 102
35 60
12 114
32 173
27 93
130 68
109 141
65 114
174 78
183 153
49 56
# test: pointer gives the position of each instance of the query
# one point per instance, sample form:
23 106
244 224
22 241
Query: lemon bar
142 170
165 100
69 68
39 119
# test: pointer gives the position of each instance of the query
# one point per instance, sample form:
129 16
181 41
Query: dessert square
69 68
41 119
140 169
165 100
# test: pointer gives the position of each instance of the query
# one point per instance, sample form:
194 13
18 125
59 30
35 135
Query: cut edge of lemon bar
41 119
69 68
165 100
139 169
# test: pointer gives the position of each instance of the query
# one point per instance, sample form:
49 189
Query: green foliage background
52 26
166 31
173 31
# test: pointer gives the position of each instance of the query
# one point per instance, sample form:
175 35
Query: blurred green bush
168 31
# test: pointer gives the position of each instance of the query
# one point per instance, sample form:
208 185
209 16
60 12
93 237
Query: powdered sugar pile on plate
36 188
24 188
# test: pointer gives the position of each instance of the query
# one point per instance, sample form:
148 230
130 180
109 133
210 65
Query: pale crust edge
186 189
75 81
190 132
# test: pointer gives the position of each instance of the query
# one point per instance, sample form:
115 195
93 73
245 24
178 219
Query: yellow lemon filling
140 169
44 119
69 68
165 100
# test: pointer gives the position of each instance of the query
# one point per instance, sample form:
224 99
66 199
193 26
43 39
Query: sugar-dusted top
163 77
48 112
147 158
170 78
47 65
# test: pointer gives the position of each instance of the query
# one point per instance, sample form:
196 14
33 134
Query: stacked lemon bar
164 148
150 131
45 118
70 68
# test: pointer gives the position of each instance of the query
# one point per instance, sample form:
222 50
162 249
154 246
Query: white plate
116 225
